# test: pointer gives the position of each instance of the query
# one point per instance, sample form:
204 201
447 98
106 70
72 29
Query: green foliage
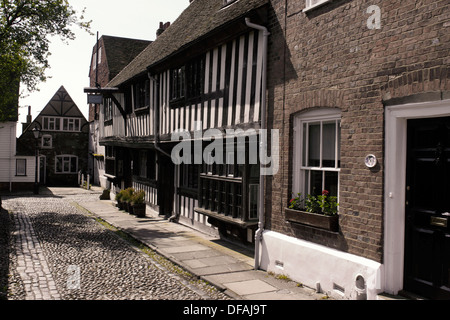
297 202
119 196
127 195
138 197
322 204
26 27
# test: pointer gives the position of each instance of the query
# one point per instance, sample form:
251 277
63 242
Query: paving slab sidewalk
224 265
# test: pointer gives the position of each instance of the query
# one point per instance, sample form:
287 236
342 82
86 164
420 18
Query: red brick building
350 80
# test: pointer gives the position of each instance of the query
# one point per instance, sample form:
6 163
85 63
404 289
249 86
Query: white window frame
311 4
55 120
23 171
47 136
299 168
70 157
51 120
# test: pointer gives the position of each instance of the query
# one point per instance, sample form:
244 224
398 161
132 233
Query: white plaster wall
313 265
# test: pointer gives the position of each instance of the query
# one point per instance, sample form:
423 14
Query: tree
25 29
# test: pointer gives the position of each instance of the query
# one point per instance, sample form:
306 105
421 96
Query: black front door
427 230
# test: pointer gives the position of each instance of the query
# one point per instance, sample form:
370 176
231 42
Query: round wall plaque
370 161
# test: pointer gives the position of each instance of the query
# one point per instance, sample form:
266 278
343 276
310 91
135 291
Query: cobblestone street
59 251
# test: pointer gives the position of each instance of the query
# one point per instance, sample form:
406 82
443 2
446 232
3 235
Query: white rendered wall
316 266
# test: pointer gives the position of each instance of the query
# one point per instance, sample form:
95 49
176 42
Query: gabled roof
61 105
198 20
121 51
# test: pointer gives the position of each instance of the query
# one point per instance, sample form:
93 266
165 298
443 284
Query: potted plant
119 199
317 211
105 195
138 203
126 198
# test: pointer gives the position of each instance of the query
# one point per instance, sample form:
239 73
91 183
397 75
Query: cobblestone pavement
58 251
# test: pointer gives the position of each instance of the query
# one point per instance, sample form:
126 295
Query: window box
330 223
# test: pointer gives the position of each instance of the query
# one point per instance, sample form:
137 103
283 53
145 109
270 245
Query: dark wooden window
128 95
142 94
110 161
144 164
230 188
187 82
177 89
108 109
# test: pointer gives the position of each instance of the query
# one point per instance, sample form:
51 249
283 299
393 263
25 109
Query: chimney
162 27
29 115
26 124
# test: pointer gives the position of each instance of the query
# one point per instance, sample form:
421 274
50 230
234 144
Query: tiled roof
121 51
197 21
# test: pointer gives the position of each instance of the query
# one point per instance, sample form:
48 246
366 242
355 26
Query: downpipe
259 232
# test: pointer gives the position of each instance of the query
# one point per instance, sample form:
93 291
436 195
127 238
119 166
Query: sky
70 62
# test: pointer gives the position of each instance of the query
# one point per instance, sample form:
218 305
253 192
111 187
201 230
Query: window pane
329 144
73 164
65 124
21 165
339 144
66 163
58 164
71 123
253 201
316 183
331 183
304 144
314 145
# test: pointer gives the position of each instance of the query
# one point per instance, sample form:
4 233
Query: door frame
396 117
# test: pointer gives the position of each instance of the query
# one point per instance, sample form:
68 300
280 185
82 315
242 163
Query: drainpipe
258 233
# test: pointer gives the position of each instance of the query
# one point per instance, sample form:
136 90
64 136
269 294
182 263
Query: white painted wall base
316 266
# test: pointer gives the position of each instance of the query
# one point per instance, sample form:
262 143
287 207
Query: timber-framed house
203 72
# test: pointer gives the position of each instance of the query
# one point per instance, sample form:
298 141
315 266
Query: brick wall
328 57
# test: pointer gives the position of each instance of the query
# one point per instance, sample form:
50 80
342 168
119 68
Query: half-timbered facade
63 141
200 74
109 56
